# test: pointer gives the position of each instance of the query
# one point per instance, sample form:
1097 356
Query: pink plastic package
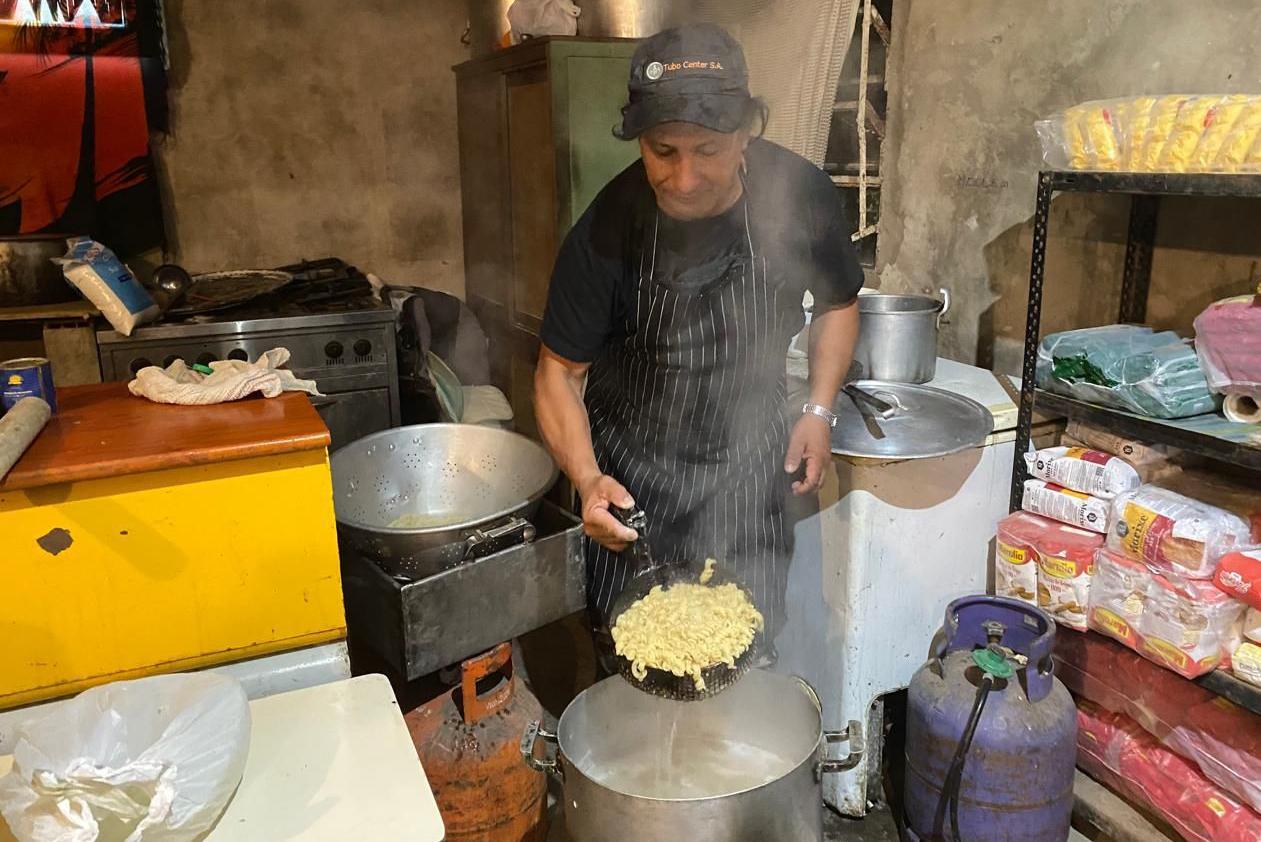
1115 750
1221 739
1228 343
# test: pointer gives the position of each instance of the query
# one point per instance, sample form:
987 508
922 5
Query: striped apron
688 411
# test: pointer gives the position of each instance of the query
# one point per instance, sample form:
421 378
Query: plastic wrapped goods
1170 133
1189 626
1065 505
1048 563
1116 751
1239 575
1212 488
1185 625
1126 367
1149 460
1091 472
1173 533
104 280
1245 663
1228 342
1223 740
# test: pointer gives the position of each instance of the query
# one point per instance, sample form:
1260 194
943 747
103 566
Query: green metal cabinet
536 145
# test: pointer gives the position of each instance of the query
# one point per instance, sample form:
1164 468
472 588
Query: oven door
353 415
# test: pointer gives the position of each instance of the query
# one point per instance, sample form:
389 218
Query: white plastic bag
537 18
106 281
151 760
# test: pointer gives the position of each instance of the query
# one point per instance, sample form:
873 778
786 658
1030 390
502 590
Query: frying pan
649 573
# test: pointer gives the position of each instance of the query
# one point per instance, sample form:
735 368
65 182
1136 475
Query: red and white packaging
1054 561
1089 471
1065 505
1239 574
1220 738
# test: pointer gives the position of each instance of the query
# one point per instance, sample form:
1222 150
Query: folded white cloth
230 380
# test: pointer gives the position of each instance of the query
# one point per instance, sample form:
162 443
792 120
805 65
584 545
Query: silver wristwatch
821 411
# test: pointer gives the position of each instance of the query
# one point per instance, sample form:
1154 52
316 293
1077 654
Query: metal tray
425 625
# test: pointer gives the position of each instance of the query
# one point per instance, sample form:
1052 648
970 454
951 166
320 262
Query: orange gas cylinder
469 743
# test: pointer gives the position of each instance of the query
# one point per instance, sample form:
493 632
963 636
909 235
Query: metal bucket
897 338
461 484
742 766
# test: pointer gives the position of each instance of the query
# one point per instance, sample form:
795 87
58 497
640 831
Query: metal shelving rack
1205 436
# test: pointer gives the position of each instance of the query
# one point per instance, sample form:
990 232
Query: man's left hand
810 444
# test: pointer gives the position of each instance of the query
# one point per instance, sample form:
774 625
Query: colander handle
507 533
473 670
547 763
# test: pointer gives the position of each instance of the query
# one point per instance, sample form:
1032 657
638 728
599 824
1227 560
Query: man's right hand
597 495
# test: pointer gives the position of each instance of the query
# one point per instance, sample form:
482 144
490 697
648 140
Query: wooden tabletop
103 430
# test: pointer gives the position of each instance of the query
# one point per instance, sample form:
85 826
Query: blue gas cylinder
1014 779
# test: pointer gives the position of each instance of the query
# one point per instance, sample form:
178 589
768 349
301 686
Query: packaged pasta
1173 533
1239 574
1189 626
1168 133
1118 596
1245 663
1067 506
1088 471
1016 558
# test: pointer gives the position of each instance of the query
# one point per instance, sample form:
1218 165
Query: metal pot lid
926 422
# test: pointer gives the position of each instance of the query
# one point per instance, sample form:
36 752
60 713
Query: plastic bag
1127 367
1228 342
1169 133
1222 739
1172 533
104 280
1066 506
151 760
537 18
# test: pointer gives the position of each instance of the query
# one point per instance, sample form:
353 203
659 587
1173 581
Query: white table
332 762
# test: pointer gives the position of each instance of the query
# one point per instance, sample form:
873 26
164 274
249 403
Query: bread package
1065 505
1189 626
1245 663
1118 596
1048 563
1173 533
1016 557
1220 491
1091 472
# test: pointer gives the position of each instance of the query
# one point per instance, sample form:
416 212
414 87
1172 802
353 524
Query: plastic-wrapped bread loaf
1173 533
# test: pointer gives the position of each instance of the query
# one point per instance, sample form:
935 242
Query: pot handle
945 306
853 734
473 670
511 531
547 763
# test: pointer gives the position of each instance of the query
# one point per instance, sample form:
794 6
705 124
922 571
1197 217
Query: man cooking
674 299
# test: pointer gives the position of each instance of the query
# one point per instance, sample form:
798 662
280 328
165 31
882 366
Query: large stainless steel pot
897 338
627 18
742 766
466 487
28 275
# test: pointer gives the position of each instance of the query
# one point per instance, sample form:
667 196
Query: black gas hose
954 774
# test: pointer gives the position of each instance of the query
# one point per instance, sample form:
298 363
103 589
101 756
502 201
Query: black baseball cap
689 74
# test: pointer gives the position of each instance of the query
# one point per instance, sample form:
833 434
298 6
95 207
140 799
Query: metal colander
454 478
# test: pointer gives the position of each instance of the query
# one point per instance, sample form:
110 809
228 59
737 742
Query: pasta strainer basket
649 573
419 499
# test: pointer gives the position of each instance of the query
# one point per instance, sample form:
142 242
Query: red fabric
1117 751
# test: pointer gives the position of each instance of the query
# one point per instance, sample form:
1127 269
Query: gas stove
337 332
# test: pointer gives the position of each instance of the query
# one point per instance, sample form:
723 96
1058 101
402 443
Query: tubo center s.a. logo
654 70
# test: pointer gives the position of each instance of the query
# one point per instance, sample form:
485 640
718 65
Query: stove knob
206 359
363 348
333 350
139 363
238 354
166 363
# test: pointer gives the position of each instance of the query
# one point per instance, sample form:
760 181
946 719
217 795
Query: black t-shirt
795 219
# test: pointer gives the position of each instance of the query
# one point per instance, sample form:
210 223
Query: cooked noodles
687 627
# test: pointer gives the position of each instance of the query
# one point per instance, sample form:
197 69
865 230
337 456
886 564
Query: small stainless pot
897 338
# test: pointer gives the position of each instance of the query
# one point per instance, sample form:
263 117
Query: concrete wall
308 128
968 78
